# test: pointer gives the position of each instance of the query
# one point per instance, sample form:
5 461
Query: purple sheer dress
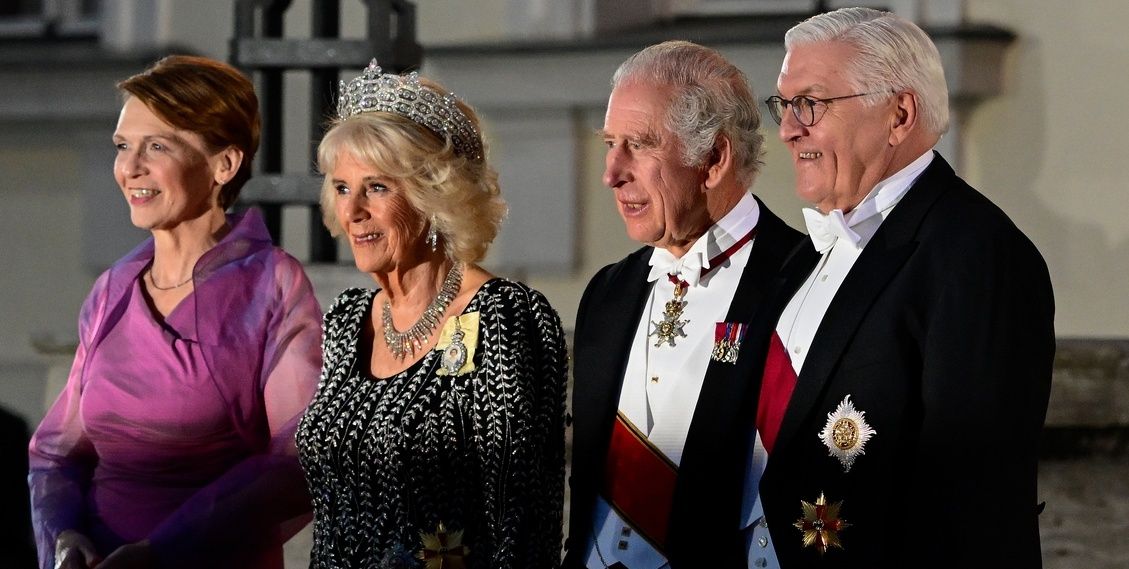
181 430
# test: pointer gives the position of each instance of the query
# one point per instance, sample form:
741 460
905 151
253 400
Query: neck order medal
671 326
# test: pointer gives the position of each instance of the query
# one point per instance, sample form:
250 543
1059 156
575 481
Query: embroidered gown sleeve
61 457
263 500
526 361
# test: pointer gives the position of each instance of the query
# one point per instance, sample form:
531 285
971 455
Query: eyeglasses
807 110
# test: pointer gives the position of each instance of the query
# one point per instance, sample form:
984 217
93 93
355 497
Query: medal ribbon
717 259
639 482
670 327
776 389
721 332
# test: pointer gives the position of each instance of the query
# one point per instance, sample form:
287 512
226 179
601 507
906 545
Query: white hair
711 97
891 54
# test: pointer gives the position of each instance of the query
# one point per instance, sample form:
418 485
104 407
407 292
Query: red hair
209 98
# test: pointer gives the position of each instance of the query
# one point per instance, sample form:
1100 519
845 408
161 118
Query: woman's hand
75 551
131 556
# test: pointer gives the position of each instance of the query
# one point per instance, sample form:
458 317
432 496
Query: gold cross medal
820 524
670 327
443 549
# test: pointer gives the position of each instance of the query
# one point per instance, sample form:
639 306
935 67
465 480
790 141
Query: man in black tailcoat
663 376
907 380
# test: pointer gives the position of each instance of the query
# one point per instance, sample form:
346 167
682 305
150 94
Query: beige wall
41 272
1051 150
1048 151
1042 150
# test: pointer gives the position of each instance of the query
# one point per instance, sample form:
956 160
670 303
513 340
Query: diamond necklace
403 344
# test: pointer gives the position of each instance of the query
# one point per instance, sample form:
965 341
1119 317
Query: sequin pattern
481 452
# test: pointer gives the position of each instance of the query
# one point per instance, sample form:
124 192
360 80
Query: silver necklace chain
403 344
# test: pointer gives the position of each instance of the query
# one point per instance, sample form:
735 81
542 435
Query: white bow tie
826 230
688 268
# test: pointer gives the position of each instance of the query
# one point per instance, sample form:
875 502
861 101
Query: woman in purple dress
172 443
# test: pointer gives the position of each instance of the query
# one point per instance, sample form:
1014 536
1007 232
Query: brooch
820 524
456 344
727 338
846 433
454 355
443 549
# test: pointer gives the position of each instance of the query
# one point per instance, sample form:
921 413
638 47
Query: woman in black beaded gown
436 438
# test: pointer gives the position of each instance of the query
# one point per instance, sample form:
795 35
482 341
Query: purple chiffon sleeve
262 501
60 457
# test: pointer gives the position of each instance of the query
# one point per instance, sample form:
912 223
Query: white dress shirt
661 384
800 319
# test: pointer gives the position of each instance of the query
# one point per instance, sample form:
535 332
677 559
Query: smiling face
851 148
662 202
383 229
167 175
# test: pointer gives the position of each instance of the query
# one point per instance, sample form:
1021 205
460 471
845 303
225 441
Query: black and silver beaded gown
390 459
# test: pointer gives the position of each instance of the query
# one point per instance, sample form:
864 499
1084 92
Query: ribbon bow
688 268
826 230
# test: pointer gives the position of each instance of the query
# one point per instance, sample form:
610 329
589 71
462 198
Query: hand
131 556
74 550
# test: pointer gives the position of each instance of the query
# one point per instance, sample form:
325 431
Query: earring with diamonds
432 235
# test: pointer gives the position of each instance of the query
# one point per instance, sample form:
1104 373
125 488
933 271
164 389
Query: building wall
1049 150
1046 150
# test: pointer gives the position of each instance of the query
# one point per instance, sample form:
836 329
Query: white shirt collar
857 227
734 225
887 193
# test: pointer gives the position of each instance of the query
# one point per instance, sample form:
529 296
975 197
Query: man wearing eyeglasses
908 374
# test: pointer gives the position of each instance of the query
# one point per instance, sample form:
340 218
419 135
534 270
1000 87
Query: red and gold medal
821 524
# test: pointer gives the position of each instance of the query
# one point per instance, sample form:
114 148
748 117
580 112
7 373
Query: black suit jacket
942 334
706 509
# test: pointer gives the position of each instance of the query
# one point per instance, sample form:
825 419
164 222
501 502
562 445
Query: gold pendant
671 327
443 549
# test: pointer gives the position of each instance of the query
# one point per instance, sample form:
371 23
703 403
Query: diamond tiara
404 95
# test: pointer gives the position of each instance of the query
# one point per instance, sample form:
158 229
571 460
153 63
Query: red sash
639 482
776 389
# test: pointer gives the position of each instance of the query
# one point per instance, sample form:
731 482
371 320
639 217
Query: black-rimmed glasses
807 110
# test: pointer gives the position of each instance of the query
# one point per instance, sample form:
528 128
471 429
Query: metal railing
260 48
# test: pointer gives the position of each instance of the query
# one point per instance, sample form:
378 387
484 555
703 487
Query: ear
225 164
904 120
719 163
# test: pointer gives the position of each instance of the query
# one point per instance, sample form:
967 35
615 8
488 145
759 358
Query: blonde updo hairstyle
460 194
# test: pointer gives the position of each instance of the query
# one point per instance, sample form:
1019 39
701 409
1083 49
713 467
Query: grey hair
892 54
711 97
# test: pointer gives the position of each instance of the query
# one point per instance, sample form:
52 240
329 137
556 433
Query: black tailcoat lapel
605 324
882 258
941 336
711 476
711 472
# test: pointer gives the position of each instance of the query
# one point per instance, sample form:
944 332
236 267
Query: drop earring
432 235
